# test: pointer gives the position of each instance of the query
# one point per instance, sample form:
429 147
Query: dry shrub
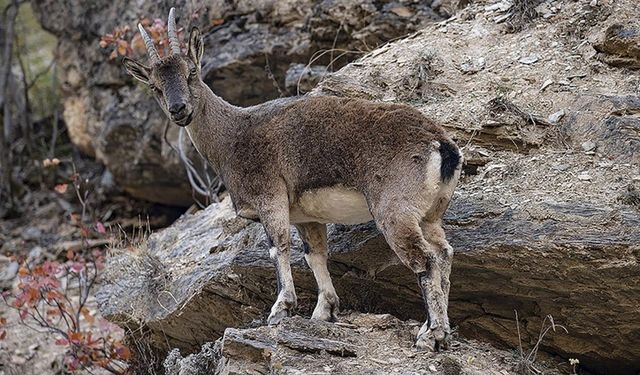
145 357
527 361
45 298
522 13
631 197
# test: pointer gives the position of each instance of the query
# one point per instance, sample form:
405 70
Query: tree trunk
6 43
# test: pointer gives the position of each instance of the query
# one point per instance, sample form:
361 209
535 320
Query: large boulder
249 49
211 270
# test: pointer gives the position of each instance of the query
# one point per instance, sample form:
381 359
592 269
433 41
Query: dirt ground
553 176
27 351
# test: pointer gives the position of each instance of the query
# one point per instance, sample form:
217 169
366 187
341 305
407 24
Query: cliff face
545 220
249 48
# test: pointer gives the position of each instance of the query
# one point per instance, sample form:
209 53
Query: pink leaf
50 268
100 228
62 188
77 267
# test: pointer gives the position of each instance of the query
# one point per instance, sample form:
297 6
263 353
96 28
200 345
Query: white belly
331 205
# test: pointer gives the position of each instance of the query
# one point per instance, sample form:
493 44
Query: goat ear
137 70
196 48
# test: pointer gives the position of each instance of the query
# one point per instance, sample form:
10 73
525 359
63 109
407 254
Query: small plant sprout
574 362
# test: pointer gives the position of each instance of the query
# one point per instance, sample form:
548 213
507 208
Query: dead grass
500 105
145 359
318 55
418 84
631 197
134 240
527 361
129 255
522 13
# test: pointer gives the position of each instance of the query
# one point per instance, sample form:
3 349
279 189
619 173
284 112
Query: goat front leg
275 218
314 238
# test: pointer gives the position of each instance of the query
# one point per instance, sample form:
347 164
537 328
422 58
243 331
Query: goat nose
177 108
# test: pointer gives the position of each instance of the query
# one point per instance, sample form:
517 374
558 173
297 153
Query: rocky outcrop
620 46
543 222
249 49
211 271
468 76
361 344
564 151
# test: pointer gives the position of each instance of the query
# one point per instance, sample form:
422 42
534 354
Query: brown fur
272 154
326 141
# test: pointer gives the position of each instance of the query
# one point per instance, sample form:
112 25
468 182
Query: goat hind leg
314 237
434 234
434 333
404 235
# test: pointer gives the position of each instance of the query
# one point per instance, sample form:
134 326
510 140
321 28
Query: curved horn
151 49
171 30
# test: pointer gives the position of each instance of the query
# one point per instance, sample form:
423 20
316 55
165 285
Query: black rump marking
450 160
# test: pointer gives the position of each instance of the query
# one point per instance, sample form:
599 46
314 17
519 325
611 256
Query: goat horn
171 30
151 49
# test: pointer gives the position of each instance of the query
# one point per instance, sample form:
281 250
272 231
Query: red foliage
62 188
53 296
117 39
100 228
42 296
128 42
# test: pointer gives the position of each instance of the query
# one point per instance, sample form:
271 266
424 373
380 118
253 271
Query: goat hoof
276 317
327 308
432 339
426 343
280 310
444 344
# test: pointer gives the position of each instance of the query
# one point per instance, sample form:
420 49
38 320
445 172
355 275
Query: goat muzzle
182 118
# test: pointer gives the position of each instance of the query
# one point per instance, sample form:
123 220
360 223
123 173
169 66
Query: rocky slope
544 222
361 344
252 48
211 271
550 113
555 107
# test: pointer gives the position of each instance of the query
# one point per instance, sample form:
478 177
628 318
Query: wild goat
310 161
